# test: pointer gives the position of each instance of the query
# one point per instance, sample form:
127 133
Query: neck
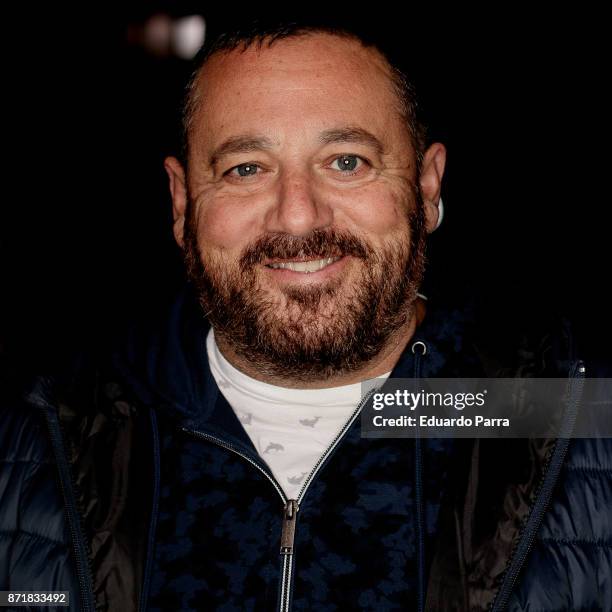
381 364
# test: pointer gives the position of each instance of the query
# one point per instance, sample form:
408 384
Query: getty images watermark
487 408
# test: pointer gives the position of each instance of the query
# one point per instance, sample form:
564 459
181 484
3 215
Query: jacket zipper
541 504
286 551
294 505
77 536
291 506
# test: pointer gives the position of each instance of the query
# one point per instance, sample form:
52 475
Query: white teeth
305 266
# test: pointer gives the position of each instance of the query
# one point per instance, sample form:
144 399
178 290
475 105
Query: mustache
318 245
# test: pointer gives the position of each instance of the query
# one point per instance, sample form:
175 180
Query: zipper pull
288 533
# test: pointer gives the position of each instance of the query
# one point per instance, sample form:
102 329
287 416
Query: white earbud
440 214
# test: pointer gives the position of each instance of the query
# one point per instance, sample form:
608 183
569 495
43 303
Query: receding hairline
401 87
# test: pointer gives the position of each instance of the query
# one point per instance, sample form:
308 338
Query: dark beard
297 338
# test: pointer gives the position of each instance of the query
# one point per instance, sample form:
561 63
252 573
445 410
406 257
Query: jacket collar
165 361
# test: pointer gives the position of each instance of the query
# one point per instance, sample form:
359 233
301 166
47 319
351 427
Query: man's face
304 228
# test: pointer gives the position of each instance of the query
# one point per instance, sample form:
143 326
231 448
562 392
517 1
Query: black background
516 96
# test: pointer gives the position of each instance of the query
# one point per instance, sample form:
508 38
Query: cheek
224 226
379 212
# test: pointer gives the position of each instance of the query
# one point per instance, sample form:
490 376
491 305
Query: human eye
243 171
348 164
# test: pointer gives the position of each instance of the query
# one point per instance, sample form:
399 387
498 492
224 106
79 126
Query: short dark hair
264 32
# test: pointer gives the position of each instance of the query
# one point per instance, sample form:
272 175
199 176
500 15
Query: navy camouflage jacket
131 484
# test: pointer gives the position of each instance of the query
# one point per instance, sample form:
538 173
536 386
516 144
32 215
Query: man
221 467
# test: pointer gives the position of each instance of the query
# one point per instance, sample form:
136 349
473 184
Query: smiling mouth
314 265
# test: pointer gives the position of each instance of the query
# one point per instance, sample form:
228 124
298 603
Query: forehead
309 82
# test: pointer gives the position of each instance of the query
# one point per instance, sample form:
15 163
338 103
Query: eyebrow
352 134
248 143
240 144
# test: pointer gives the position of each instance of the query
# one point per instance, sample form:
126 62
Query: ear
178 191
430 182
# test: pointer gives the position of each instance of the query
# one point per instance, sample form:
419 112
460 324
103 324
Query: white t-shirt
290 428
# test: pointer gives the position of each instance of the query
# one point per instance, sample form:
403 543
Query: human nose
299 208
